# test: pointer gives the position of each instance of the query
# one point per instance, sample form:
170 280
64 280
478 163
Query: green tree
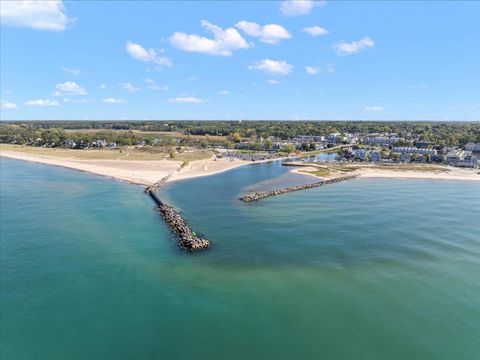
287 148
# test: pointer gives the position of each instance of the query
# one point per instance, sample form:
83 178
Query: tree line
441 133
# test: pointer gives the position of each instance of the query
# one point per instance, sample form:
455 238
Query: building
414 150
382 140
421 159
99 143
364 155
360 154
472 147
309 138
438 158
454 157
70 143
405 157
375 156
468 160
424 144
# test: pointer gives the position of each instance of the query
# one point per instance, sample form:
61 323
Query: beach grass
319 172
124 153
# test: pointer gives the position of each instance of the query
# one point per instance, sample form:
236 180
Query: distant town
439 143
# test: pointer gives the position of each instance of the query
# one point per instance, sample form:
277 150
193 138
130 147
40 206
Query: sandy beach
453 174
147 172
141 172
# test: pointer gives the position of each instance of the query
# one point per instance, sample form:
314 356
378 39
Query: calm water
367 269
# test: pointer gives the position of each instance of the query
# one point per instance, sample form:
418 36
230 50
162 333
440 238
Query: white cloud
147 55
186 100
273 81
298 7
315 30
272 67
345 48
129 87
269 34
8 105
111 100
312 70
43 103
72 70
224 42
102 86
69 88
224 92
374 109
35 14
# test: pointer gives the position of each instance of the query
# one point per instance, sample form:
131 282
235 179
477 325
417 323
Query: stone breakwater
187 239
158 184
262 195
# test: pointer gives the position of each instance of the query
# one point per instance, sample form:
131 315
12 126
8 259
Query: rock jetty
187 239
262 195
158 184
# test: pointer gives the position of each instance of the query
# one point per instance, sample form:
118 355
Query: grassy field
160 134
125 153
319 172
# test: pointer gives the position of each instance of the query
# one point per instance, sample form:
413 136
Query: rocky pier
158 184
187 239
262 195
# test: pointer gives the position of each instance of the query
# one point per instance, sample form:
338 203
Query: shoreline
71 168
137 172
140 172
455 174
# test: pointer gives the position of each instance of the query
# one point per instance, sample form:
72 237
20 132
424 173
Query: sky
270 60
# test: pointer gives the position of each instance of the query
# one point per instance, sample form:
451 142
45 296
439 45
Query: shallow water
365 269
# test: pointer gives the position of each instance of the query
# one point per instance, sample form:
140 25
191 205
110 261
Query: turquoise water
366 269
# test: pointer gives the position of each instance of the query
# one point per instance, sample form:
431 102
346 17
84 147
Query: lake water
365 269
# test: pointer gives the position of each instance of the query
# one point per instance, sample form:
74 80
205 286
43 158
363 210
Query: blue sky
309 60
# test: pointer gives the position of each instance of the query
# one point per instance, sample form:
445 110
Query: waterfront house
405 157
468 160
375 156
454 157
